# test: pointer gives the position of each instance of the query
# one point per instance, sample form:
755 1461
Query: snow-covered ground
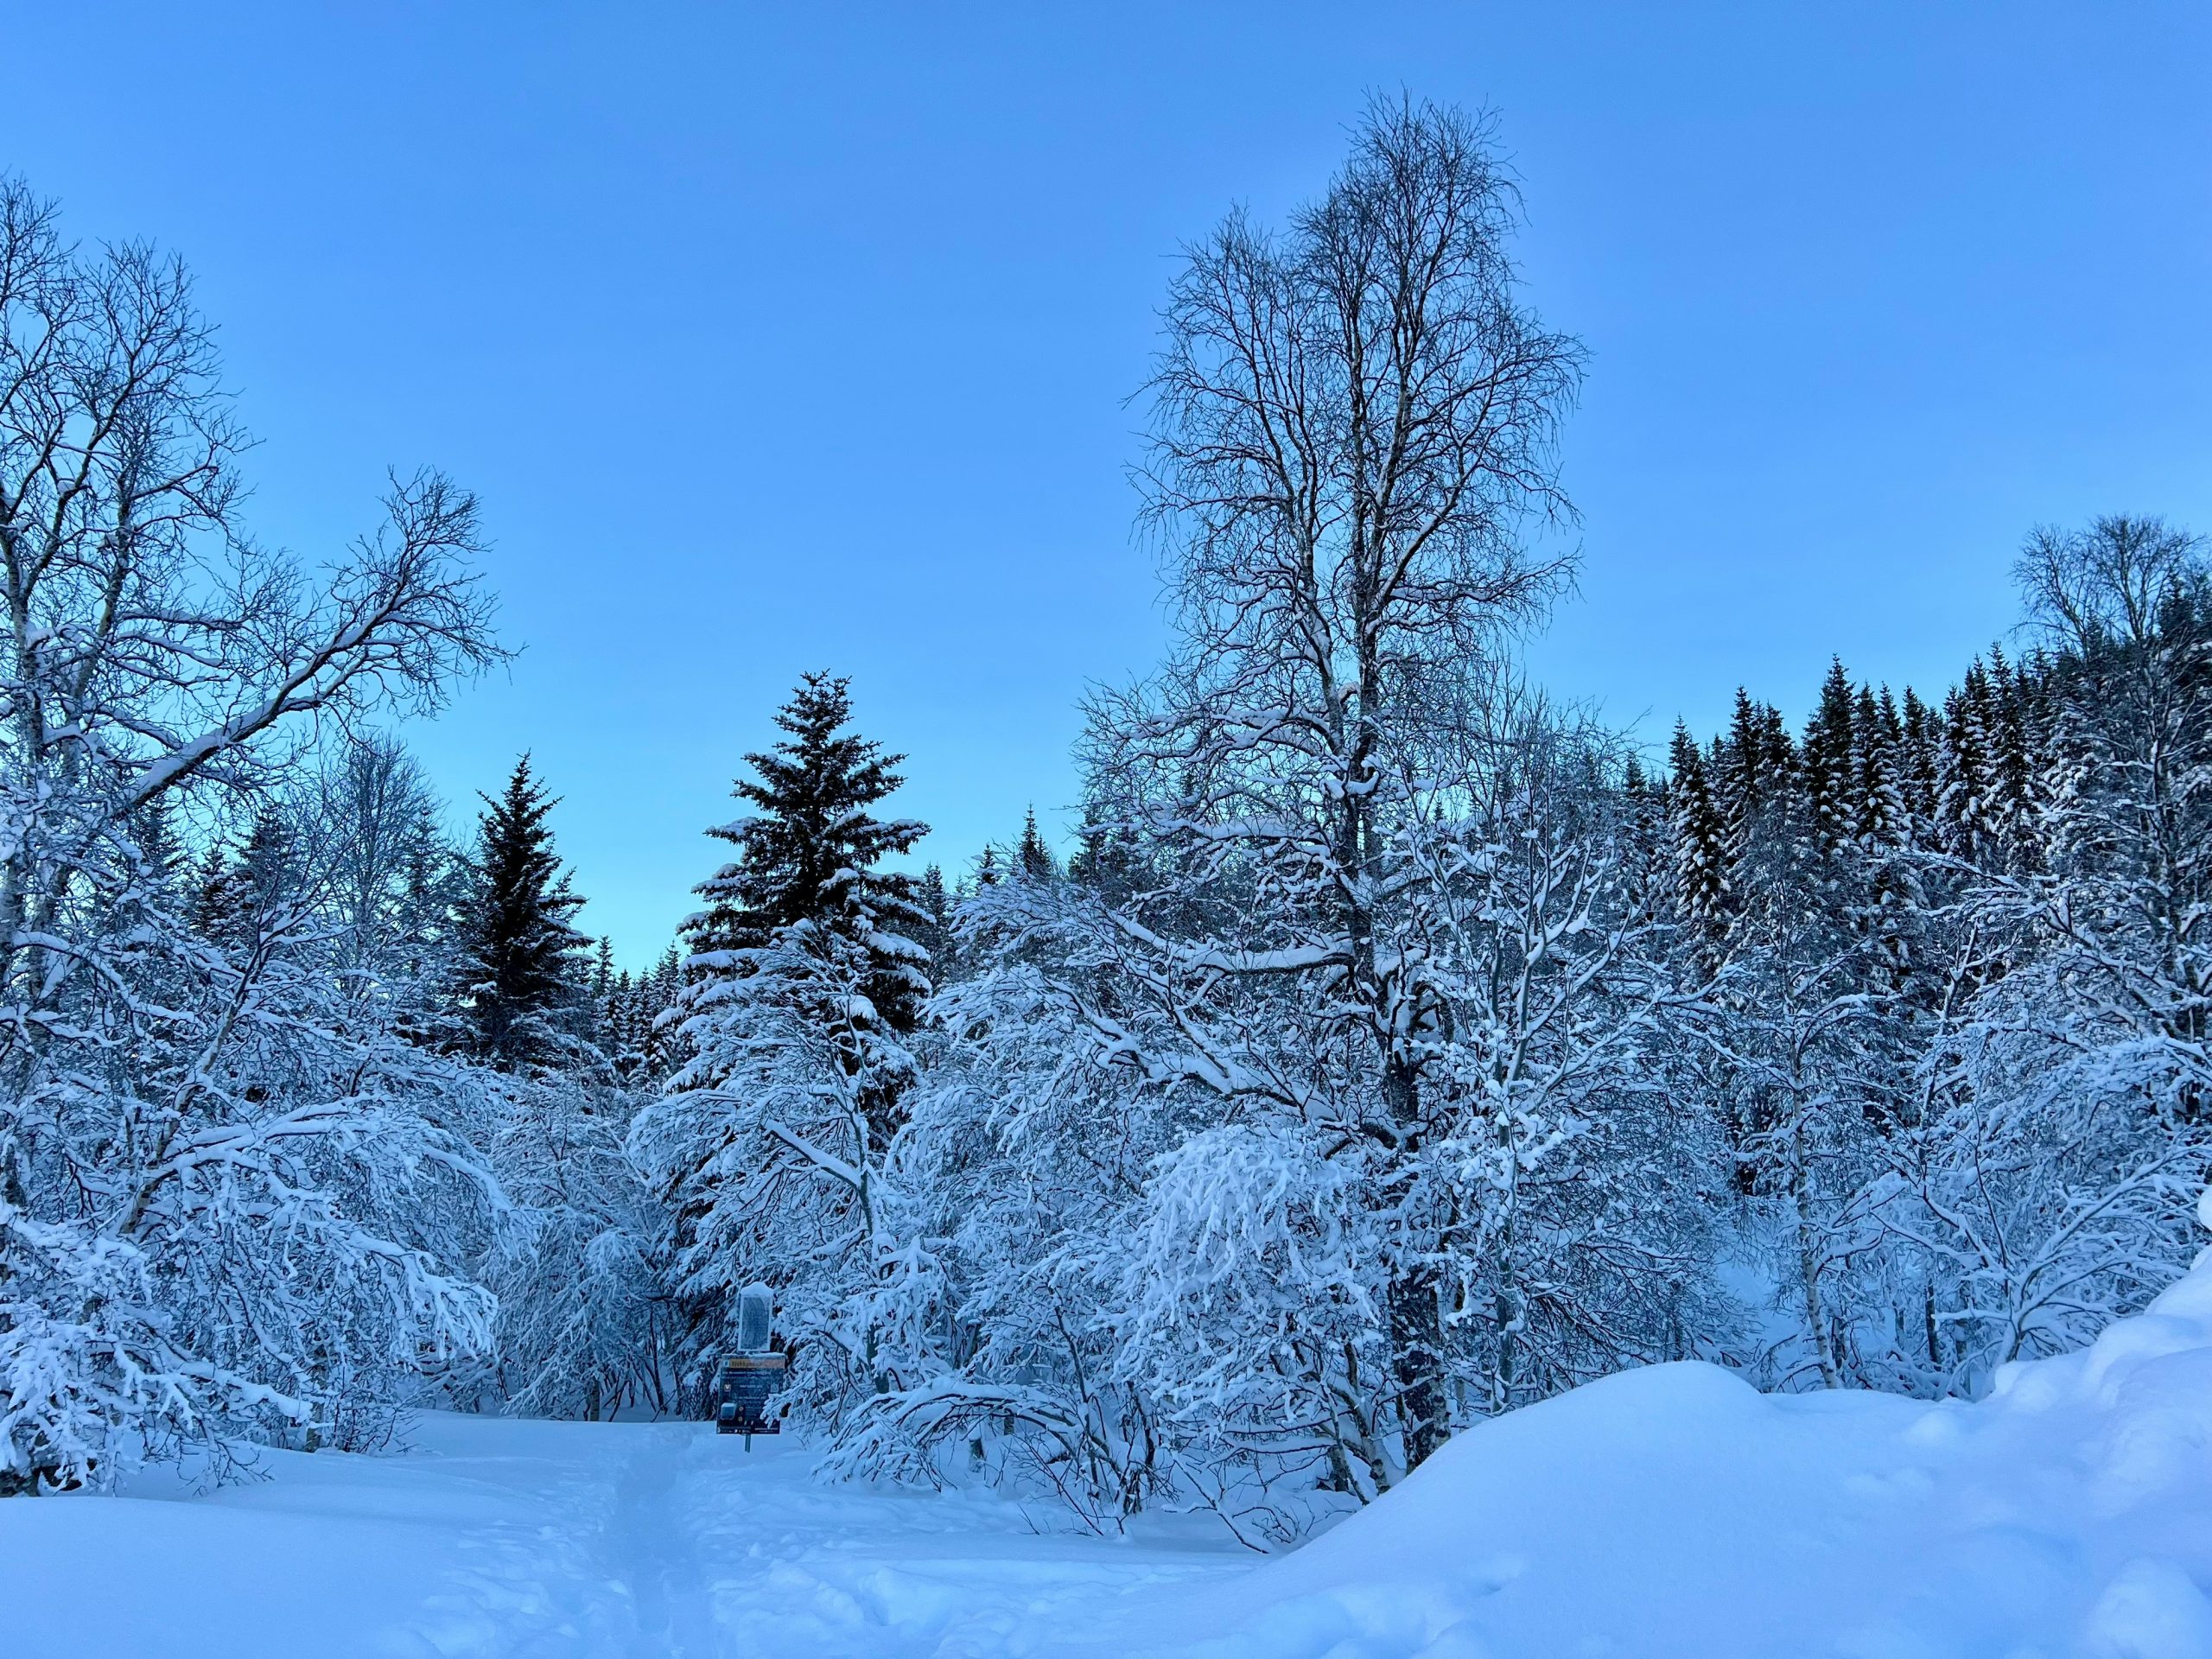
500 1537
1669 1511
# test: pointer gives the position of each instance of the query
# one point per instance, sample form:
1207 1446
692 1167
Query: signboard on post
744 1379
742 1390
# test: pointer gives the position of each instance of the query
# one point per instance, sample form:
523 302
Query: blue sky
787 338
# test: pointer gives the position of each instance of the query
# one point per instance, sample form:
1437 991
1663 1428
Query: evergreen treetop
524 971
809 854
1032 855
1830 774
1701 862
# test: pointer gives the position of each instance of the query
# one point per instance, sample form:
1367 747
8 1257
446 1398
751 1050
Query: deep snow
1667 1511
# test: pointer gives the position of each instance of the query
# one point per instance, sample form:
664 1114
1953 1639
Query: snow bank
1675 1510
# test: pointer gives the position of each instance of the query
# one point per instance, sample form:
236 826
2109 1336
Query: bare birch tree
217 1186
1354 431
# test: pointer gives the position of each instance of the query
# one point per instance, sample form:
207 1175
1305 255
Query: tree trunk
1416 1349
1416 1318
1809 1267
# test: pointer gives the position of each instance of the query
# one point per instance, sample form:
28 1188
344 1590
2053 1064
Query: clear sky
794 337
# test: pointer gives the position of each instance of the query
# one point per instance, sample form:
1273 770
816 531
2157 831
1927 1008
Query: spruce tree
2013 756
238 893
1102 861
1893 898
1031 855
524 973
614 1027
659 1039
1969 804
1879 802
935 934
611 994
1744 787
1754 781
218 903
805 976
1921 766
1701 885
162 854
1646 852
1831 780
809 856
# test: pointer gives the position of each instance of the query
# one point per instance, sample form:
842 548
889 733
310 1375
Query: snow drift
1675 1510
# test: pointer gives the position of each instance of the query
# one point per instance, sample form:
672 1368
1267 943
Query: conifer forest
1400 1041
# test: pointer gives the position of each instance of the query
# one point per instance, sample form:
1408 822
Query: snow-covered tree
2051 1175
1703 857
231 1198
802 989
1031 855
1354 424
523 973
585 1326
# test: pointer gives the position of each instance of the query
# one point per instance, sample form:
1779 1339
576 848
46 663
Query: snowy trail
659 1557
503 1540
668 1540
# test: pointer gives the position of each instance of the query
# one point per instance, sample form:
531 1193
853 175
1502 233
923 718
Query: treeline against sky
1399 1046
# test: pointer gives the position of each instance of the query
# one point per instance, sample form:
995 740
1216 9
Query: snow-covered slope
1668 1511
1675 1512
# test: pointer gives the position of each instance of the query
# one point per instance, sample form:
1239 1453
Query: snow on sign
744 1379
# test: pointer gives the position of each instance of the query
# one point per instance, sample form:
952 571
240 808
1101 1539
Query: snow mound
1675 1511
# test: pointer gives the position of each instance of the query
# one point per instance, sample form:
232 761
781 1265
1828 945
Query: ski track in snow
500 1540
